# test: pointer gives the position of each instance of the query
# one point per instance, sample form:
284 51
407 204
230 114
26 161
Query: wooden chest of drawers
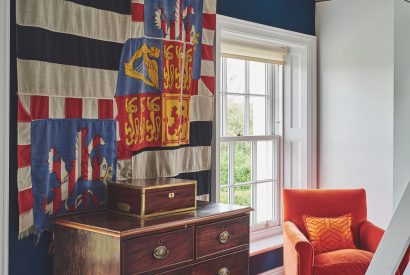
214 239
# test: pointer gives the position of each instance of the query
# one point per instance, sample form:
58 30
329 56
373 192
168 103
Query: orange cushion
342 262
329 234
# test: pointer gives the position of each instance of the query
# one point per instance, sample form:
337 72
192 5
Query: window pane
257 115
265 202
265 164
235 76
224 163
257 77
243 162
223 196
243 195
234 116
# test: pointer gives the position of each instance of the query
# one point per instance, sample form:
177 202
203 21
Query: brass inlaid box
152 197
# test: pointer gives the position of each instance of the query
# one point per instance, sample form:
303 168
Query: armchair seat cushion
342 262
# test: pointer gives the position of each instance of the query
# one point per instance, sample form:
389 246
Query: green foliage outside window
242 163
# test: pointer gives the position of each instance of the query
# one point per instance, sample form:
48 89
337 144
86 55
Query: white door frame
4 132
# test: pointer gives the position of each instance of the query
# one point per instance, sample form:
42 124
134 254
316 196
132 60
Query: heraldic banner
110 90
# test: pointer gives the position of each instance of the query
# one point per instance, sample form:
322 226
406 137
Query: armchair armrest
298 251
370 236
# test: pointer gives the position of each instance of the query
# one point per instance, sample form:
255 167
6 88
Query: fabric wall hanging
111 89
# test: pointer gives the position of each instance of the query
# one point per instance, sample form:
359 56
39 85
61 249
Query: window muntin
249 148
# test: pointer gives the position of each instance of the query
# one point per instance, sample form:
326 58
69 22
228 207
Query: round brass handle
224 271
224 237
160 252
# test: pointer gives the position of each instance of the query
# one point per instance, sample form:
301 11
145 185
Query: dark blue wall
27 258
266 261
294 15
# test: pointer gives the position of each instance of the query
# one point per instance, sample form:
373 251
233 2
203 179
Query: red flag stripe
73 107
22 114
172 30
209 82
84 155
180 22
194 85
72 177
207 52
137 12
39 107
25 200
23 155
56 165
209 21
95 166
57 200
105 109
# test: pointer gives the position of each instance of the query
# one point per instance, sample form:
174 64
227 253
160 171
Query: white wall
356 100
4 133
401 99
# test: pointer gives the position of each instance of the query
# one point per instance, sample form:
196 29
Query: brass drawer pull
171 195
160 252
224 237
224 271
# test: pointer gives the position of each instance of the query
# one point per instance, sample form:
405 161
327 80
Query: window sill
265 241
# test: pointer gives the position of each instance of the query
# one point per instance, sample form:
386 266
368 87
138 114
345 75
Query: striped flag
42 108
73 159
68 65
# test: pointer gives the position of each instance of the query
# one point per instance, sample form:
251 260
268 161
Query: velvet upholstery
297 249
299 258
325 203
342 262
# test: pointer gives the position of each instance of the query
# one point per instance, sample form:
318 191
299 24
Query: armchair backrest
325 203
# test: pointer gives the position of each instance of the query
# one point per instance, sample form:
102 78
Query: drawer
217 237
232 264
236 263
158 251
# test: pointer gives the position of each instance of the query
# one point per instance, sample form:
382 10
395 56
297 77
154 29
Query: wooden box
152 197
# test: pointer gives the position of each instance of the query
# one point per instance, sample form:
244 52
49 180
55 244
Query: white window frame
4 133
299 136
273 131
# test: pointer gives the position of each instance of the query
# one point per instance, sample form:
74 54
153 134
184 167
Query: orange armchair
299 258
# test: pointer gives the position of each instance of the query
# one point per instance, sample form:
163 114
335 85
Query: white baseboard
276 271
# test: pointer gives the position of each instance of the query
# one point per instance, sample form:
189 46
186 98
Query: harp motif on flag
147 66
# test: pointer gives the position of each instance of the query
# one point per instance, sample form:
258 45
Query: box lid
146 184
